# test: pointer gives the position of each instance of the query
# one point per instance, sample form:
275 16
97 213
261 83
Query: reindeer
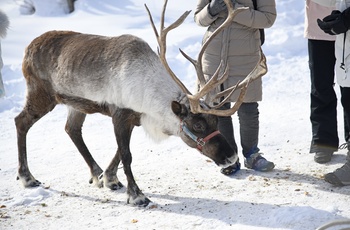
122 77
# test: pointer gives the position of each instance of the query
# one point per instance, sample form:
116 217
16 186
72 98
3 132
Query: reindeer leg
73 128
110 179
124 121
39 102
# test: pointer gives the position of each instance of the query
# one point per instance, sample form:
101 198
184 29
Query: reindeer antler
217 79
161 38
259 71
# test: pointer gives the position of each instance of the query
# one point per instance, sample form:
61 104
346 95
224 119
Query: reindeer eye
199 126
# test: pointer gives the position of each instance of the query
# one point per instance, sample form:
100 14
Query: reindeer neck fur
121 71
160 123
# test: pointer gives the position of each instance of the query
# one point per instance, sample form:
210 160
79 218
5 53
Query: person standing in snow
337 24
323 99
242 42
4 24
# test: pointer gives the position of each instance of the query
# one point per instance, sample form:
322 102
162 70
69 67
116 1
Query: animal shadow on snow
261 215
227 211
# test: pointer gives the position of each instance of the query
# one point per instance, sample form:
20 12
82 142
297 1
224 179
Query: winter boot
322 157
258 163
340 177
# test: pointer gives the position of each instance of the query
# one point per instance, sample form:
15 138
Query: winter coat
342 48
240 42
313 11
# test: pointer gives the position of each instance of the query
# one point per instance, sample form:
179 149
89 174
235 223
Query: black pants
248 114
323 98
345 101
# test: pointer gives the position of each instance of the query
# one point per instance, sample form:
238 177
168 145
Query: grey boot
323 155
341 176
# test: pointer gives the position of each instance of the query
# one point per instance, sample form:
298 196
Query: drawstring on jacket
342 64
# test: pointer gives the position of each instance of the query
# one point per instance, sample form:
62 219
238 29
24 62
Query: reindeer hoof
139 201
115 186
29 182
32 184
35 183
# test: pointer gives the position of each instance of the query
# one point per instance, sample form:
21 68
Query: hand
333 16
334 24
216 6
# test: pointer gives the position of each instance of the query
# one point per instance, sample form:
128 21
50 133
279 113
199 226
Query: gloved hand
335 23
216 6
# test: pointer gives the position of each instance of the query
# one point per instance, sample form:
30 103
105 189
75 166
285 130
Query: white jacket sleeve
325 2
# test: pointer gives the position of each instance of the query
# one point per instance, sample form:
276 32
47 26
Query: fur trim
4 24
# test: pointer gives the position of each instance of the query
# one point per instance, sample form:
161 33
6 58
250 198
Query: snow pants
345 101
323 97
248 115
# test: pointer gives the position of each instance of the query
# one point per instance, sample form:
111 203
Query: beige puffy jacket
240 42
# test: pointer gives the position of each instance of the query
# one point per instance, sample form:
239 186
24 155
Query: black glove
335 23
216 6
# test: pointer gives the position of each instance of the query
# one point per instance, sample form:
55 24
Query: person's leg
341 176
345 101
225 127
323 100
248 115
347 125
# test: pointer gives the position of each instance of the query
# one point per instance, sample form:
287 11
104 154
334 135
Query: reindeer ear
179 110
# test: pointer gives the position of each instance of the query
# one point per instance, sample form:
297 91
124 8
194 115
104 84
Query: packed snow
187 189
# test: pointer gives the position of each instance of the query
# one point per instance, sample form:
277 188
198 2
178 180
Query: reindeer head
200 131
198 127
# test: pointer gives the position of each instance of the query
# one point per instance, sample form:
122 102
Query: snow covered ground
187 190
